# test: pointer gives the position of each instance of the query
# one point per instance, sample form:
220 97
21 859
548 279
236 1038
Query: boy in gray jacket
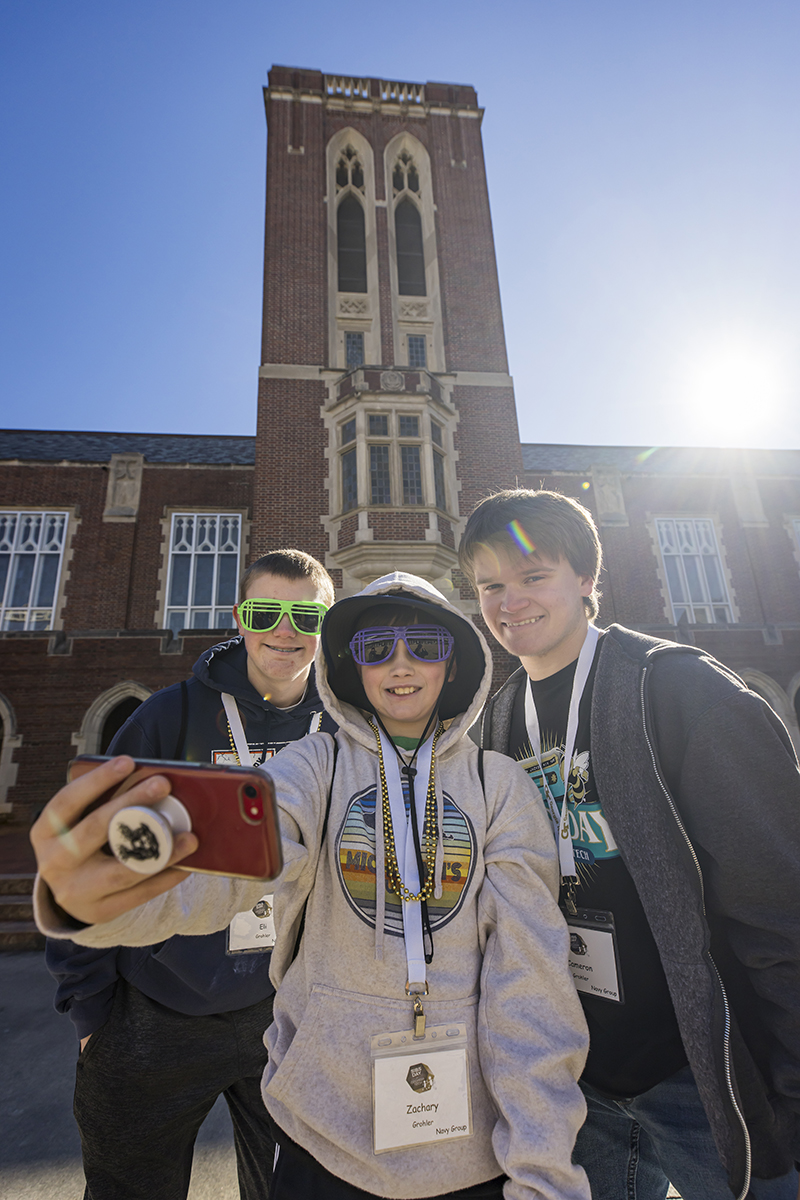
679 841
427 1036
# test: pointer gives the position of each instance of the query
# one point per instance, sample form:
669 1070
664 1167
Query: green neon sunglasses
259 616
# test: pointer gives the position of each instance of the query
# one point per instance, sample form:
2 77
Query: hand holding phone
69 835
230 809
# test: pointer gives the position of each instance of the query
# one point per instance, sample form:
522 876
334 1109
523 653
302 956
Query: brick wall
50 694
398 526
112 579
289 496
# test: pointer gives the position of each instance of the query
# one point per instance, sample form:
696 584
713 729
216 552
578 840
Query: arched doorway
107 714
116 719
10 741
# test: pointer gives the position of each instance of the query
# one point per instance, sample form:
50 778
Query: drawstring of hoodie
408 771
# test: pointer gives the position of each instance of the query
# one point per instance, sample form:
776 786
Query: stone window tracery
405 175
354 335
408 226
32 548
693 567
204 558
349 171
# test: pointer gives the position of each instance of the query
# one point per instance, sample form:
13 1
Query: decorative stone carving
392 381
608 495
747 498
124 487
350 307
413 310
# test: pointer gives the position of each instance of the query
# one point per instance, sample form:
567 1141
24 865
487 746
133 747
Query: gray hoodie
499 965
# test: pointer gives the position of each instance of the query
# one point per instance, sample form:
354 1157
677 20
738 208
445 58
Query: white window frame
684 542
189 615
394 440
41 533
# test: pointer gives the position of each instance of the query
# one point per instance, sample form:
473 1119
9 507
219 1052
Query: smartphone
232 810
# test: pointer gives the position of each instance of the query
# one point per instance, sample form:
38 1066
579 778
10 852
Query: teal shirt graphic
592 838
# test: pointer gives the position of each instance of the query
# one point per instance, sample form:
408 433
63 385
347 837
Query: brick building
385 411
700 546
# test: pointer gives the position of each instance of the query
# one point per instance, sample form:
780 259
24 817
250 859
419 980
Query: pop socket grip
142 838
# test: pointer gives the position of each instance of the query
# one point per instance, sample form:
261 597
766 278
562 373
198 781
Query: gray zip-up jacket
499 965
699 783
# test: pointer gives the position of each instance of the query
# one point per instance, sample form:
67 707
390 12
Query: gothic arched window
352 247
410 254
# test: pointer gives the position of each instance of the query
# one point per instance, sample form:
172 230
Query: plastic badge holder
420 1087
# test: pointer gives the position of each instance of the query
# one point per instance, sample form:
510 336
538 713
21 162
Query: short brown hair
556 525
290 564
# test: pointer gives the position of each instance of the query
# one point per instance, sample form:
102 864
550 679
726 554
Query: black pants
298 1176
146 1081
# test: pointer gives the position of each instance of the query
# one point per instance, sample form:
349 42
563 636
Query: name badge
254 930
593 954
420 1087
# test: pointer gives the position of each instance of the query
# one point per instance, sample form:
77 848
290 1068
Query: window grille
203 570
353 349
378 425
31 555
417 350
349 431
693 567
409 426
438 481
399 468
412 474
380 486
349 479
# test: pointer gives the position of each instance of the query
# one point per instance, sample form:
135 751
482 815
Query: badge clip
419 1018
419 1012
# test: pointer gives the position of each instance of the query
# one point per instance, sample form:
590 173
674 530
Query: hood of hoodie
338 683
224 669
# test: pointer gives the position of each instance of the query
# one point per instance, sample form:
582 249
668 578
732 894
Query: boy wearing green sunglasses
165 1005
279 619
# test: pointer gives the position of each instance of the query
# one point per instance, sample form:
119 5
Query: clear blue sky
644 178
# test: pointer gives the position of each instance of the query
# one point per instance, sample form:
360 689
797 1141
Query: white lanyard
566 854
412 909
237 729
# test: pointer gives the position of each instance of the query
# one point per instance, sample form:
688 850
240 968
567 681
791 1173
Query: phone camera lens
250 791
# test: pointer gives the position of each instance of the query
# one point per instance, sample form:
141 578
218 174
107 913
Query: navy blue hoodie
192 975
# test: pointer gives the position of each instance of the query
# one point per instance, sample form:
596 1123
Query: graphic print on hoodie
355 859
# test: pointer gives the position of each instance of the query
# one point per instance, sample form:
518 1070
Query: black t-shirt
634 1044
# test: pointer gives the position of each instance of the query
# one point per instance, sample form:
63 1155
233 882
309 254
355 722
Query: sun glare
734 389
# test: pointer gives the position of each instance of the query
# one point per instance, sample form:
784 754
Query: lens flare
520 537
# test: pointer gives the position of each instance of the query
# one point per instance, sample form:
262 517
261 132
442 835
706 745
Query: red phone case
233 813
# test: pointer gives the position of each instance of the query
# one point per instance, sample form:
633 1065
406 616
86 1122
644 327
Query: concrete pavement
40 1155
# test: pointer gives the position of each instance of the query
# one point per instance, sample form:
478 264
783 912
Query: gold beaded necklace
394 878
233 745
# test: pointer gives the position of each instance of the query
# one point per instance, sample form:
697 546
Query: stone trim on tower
350 172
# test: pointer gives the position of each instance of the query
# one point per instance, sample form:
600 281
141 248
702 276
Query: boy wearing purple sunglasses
427 1036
